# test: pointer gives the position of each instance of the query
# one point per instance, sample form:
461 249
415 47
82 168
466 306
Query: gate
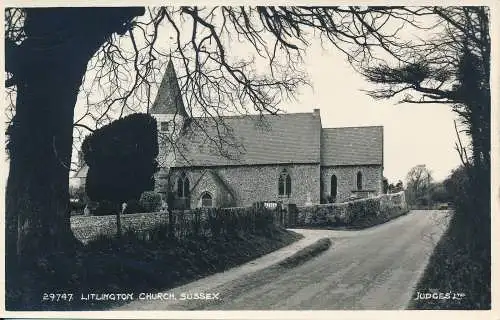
291 216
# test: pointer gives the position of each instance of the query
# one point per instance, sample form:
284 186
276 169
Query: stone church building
287 158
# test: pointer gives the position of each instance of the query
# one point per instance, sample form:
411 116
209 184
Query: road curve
376 268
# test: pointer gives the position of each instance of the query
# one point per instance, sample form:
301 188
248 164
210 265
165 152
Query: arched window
359 180
288 186
206 200
333 187
180 187
284 183
183 186
186 187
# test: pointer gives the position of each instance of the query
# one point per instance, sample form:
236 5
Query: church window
359 180
284 183
183 186
164 126
333 187
206 200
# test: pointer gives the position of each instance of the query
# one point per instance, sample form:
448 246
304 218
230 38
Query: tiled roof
252 140
169 98
352 146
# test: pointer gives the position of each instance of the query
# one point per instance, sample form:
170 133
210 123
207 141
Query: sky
413 134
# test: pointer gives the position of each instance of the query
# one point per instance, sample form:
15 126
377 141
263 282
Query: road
376 268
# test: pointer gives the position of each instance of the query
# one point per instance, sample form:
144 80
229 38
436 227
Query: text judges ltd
150 296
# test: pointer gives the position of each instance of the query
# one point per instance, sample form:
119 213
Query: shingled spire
169 98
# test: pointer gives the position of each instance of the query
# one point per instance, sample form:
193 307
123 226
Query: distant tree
438 193
385 185
122 159
418 182
399 186
391 188
394 188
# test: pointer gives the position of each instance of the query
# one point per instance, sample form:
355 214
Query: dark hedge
122 158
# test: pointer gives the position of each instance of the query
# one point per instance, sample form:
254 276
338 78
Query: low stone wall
205 222
362 212
87 228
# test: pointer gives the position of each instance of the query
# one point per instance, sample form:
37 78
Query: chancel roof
352 146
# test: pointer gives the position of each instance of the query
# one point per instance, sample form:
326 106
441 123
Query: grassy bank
459 269
133 265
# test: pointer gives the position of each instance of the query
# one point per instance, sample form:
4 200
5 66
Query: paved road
376 268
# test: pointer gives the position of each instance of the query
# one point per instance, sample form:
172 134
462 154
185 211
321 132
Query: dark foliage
105 207
385 183
121 158
160 263
439 194
461 262
133 206
76 206
150 201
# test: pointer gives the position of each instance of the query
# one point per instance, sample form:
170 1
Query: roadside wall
357 213
181 224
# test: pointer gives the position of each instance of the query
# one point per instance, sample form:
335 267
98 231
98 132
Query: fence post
197 222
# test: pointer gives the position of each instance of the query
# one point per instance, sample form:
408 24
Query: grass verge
457 277
306 253
132 265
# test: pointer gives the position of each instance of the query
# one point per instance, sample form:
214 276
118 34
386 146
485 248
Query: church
235 161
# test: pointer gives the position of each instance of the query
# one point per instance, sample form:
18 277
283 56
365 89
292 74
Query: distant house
287 158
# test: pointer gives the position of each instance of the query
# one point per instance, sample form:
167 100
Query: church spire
169 97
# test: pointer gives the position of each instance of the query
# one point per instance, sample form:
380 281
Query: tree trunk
48 71
40 145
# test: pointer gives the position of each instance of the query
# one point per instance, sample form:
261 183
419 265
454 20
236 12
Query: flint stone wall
355 213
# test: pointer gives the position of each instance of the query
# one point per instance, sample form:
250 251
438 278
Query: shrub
76 206
122 158
150 201
133 206
105 208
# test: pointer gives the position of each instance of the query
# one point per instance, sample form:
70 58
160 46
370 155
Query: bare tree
51 52
418 184
453 67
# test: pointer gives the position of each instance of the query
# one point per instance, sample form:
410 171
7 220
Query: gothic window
183 186
333 187
206 200
359 180
284 183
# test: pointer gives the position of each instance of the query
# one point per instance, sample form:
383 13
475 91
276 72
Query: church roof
169 97
352 146
251 140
